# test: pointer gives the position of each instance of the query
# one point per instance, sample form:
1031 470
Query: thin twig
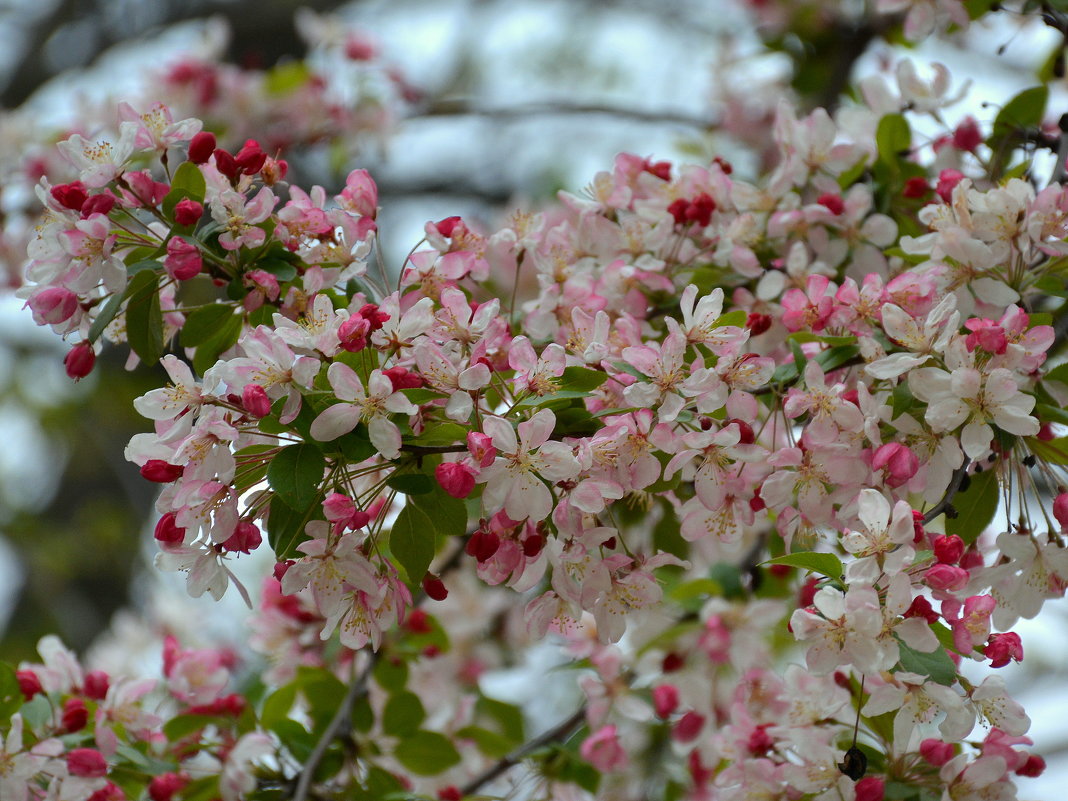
463 108
951 491
561 731
357 689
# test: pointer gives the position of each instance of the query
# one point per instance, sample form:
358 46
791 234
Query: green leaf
323 691
190 180
836 357
975 507
411 541
10 695
427 753
437 433
296 473
207 353
285 527
402 714
411 483
1025 110
391 674
808 336
105 316
490 743
937 664
276 707
903 399
893 138
448 514
509 718
826 564
418 395
144 318
287 77
1053 452
204 323
543 400
582 379
736 318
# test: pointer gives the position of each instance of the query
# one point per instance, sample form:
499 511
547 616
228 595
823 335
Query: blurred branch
464 108
261 31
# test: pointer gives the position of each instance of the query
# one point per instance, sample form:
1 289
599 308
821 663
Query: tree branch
951 491
357 689
463 108
560 731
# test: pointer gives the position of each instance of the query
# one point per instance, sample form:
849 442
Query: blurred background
456 107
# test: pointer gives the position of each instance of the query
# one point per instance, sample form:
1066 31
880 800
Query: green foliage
427 753
826 564
295 474
976 507
411 541
144 317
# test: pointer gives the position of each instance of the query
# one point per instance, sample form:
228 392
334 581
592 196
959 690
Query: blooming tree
772 460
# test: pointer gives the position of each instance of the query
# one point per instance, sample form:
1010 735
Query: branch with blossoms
716 424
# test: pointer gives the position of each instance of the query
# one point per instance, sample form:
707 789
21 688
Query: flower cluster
682 413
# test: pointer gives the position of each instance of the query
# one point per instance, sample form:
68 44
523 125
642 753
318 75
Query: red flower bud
161 472
948 549
101 203
70 196
1033 767
1003 648
833 203
757 323
201 146
688 727
168 530
870 788
164 786
250 157
79 361
434 587
1060 509
75 715
915 188
936 752
96 685
29 684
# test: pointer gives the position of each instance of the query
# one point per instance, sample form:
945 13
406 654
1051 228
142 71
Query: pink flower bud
936 752
948 549
1060 509
161 472
168 530
53 305
434 587
915 187
448 225
79 361
688 727
481 448
870 788
921 607
402 378
274 170
182 261
254 399
967 137
245 539
109 792
353 333
226 164
188 211
201 146
361 193
899 462
164 786
603 750
946 577
87 762
665 699
1004 647
101 203
456 479
947 180
280 568
96 685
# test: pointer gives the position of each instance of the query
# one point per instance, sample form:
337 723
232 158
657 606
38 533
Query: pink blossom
603 750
